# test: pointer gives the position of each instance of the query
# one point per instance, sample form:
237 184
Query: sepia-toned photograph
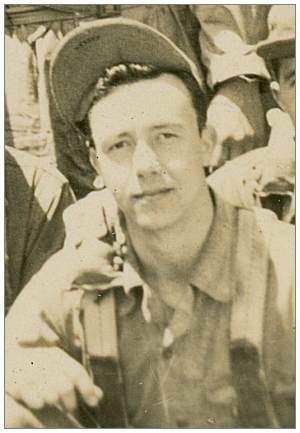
149 216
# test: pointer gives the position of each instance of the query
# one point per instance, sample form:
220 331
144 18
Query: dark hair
131 73
273 67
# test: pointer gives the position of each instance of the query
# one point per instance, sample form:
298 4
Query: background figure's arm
236 112
226 35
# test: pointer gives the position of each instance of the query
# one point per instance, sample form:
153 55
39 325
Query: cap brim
87 51
274 49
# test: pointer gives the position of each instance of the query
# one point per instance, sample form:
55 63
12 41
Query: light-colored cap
281 40
83 55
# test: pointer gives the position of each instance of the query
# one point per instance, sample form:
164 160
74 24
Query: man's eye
119 145
165 136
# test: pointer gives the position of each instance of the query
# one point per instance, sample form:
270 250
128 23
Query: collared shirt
182 378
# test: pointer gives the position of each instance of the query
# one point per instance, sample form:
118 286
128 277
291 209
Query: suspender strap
102 357
255 409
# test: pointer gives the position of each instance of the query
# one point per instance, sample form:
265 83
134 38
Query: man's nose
145 160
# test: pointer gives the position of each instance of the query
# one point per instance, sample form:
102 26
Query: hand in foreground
49 376
17 416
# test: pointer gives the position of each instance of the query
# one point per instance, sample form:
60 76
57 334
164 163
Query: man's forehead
162 95
163 83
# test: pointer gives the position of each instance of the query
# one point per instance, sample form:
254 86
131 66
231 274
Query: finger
98 392
41 334
30 421
68 399
51 396
17 416
81 381
29 395
48 335
89 392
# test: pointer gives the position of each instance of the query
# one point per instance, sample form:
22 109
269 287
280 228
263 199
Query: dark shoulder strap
247 316
102 356
252 277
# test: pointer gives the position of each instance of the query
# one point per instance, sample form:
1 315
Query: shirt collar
130 277
214 272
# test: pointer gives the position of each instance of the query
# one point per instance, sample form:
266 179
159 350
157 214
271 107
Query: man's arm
226 35
42 360
236 112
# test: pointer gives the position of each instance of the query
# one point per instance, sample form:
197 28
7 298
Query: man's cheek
181 167
113 175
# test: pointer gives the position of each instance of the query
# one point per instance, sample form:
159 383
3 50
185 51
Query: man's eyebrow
115 138
120 135
168 125
289 75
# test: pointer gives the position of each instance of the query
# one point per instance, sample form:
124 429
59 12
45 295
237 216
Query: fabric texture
36 195
186 383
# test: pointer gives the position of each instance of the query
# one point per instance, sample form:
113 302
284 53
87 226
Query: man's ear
275 90
94 160
208 141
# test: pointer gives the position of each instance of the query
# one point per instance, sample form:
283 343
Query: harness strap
103 364
255 408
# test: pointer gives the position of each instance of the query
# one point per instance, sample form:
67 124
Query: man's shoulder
273 241
35 184
278 236
35 169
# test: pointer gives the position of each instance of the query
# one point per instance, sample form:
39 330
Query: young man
194 328
267 176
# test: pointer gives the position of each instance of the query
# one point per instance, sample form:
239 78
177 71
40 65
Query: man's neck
170 254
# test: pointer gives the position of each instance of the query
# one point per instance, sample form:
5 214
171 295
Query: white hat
281 40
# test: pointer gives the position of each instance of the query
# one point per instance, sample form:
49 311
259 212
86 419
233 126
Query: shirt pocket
221 400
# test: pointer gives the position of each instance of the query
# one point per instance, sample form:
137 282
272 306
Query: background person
267 176
36 196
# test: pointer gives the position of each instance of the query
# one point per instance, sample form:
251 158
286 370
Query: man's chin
153 221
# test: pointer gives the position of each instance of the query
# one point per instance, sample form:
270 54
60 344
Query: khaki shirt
186 383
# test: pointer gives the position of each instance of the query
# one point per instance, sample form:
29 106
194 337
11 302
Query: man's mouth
153 193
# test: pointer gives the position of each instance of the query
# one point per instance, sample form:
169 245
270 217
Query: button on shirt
174 354
187 382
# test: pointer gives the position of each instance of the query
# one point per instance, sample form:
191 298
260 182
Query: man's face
286 80
149 150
